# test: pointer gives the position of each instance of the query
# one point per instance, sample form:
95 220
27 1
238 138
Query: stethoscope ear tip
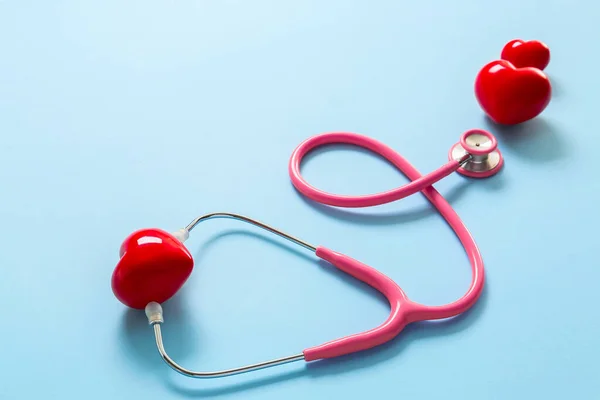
154 313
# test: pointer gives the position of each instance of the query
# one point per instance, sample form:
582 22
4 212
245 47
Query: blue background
118 115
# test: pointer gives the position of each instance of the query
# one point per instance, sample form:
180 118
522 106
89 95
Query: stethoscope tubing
418 182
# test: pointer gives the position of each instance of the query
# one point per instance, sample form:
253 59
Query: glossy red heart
531 53
154 265
510 95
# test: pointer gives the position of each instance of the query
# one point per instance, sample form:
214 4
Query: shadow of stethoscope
136 329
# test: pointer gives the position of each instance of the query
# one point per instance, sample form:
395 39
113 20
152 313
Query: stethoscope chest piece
485 159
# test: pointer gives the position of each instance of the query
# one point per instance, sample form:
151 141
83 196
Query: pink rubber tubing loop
475 150
402 310
418 182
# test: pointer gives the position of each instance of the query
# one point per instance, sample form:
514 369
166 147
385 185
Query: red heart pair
514 89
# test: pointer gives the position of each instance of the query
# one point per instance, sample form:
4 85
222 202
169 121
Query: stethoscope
154 264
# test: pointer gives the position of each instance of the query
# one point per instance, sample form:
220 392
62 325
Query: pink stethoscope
475 155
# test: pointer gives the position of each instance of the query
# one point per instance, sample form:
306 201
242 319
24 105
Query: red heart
154 265
532 53
510 95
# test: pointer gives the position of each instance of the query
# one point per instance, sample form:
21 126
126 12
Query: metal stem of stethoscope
155 313
251 221
218 374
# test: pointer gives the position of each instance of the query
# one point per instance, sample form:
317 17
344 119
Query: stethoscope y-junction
154 264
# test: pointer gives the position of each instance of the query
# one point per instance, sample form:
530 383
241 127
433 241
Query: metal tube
251 221
218 374
155 317
466 158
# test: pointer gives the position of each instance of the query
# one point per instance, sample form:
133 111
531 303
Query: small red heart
532 53
510 95
154 265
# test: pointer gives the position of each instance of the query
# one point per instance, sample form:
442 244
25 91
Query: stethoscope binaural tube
402 310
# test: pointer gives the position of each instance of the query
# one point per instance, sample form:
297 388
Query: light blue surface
117 115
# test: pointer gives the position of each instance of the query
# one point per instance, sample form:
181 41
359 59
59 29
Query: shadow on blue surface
557 87
536 140
335 366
